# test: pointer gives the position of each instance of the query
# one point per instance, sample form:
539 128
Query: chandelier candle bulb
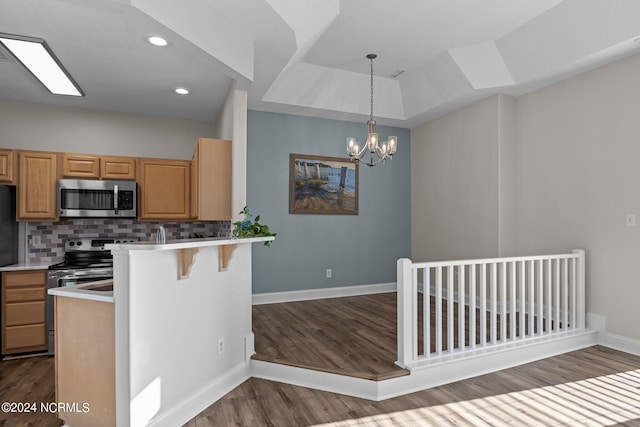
373 142
352 146
393 141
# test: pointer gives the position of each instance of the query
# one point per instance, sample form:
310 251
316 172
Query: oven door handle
80 273
115 197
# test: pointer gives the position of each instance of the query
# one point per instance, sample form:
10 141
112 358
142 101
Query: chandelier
388 149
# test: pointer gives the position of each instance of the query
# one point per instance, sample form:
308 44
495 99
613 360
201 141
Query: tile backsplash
50 236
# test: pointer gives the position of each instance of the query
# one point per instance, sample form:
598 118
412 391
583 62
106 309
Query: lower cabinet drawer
19 339
24 313
25 294
24 278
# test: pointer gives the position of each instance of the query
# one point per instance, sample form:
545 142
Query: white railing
462 307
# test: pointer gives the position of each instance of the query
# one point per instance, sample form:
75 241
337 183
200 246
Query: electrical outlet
329 273
36 240
220 346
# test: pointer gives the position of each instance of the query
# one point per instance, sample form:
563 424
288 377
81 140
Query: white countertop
182 244
26 266
81 291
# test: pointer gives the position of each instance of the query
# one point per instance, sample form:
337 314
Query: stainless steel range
85 260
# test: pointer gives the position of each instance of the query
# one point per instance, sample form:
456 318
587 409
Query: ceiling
307 57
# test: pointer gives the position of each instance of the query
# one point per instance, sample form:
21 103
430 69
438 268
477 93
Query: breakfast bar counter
183 334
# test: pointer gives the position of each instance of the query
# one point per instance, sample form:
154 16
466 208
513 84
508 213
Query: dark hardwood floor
353 336
590 387
28 380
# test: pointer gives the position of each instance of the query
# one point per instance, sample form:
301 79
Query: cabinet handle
115 198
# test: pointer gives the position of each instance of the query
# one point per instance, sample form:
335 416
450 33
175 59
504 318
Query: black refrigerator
8 226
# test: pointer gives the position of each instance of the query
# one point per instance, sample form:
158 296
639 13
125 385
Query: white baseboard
311 294
491 361
596 322
317 380
203 398
424 377
618 342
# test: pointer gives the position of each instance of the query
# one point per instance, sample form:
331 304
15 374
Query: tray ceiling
308 57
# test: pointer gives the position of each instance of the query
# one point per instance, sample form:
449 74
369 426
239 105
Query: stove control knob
72 243
117 241
79 244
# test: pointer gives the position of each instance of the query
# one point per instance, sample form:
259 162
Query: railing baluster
439 310
483 305
414 313
532 284
472 305
494 303
556 303
565 295
512 305
461 308
548 297
540 297
503 302
450 313
574 300
523 299
426 311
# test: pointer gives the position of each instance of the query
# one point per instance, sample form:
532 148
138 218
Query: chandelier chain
371 116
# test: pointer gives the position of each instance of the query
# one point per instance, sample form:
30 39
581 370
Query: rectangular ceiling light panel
42 63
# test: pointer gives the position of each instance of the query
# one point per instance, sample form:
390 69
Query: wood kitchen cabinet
211 180
85 360
79 166
116 167
164 189
8 173
37 185
24 296
97 167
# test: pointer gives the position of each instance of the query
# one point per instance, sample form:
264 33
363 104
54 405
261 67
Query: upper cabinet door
80 166
37 189
117 167
164 187
8 173
211 180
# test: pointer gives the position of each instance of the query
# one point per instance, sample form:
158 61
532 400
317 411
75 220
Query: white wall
459 209
566 181
579 175
49 128
232 125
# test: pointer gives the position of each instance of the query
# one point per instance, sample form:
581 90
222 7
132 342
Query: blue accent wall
360 249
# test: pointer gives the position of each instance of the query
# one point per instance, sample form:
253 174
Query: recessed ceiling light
38 58
181 91
157 41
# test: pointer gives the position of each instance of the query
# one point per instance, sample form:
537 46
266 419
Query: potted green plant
251 227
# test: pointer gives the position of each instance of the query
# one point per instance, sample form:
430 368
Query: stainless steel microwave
96 199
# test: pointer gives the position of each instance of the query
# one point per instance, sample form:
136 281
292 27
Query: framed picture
322 185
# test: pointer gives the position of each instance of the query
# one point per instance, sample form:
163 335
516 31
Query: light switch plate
630 220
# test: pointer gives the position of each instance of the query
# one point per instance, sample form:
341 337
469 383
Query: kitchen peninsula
183 335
